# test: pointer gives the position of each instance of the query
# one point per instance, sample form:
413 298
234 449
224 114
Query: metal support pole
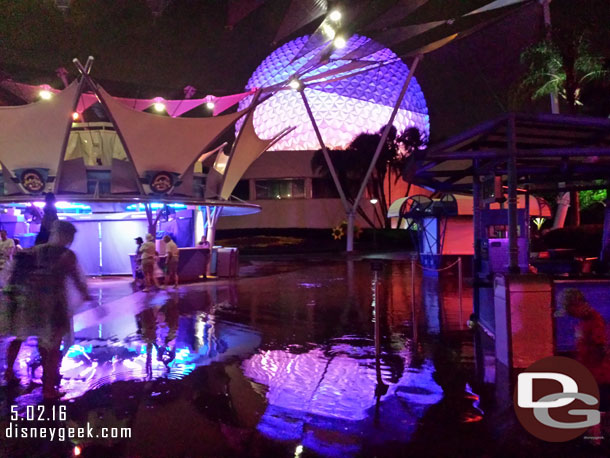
350 230
527 224
388 126
212 228
413 314
476 221
329 163
513 248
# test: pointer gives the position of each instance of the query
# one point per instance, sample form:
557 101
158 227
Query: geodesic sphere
343 108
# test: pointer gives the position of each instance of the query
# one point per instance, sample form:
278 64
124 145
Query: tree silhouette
352 163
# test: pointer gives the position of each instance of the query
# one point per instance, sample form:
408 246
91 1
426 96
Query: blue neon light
154 206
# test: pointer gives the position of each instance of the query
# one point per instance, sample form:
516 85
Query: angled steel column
382 141
329 163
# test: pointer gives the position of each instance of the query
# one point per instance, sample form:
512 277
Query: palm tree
561 67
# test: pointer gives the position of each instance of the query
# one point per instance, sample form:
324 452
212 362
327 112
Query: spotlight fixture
295 84
335 16
373 201
159 107
75 116
45 94
209 105
339 42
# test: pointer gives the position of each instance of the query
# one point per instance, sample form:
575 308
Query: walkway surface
280 362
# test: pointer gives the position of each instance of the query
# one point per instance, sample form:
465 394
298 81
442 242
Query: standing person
205 245
7 248
139 273
38 303
149 254
171 261
48 219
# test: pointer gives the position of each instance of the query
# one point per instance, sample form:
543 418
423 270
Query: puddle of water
281 364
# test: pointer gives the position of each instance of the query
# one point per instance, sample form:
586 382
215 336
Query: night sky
139 55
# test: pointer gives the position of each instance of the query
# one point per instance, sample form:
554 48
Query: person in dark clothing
49 217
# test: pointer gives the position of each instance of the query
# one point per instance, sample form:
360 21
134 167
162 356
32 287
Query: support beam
386 131
329 163
350 230
477 233
353 208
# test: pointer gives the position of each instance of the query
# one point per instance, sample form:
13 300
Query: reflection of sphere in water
343 109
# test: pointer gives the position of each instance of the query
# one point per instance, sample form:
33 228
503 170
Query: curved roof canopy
136 157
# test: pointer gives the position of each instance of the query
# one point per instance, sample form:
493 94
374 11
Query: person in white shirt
171 261
7 248
149 253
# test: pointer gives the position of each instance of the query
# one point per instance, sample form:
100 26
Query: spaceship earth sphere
361 102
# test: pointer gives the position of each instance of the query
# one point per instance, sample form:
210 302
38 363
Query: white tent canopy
158 143
32 136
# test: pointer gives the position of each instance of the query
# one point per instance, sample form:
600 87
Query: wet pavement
280 362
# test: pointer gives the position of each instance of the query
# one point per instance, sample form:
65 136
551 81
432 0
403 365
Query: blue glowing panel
343 109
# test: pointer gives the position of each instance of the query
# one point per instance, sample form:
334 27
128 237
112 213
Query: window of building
280 189
242 190
323 188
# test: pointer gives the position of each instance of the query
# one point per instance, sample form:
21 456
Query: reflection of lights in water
373 300
334 389
310 285
90 364
341 385
476 414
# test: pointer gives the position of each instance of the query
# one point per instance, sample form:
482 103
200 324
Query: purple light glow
341 386
343 109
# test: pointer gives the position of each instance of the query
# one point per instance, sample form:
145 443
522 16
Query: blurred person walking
38 301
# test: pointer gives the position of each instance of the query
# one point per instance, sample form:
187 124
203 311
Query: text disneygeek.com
18 427
63 433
